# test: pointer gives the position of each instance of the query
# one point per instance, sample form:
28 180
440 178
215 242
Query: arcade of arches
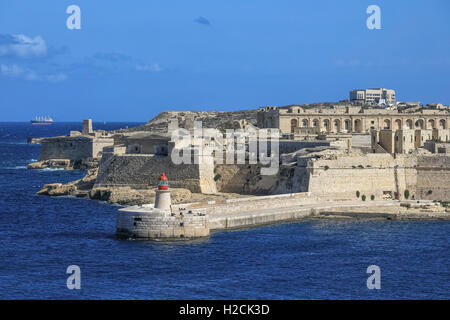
356 124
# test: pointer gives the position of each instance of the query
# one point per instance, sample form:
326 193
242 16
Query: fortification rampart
433 177
66 148
141 171
288 146
72 148
377 175
231 206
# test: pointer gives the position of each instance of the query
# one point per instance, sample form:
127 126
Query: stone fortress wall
433 177
72 148
380 175
143 170
77 146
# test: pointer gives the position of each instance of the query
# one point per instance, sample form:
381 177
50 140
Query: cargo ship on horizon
42 121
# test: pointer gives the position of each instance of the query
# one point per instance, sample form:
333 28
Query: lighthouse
163 200
160 221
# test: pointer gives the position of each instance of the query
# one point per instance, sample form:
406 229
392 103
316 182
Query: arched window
347 125
293 125
336 125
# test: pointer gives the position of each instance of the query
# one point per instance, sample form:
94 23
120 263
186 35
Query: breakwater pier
194 220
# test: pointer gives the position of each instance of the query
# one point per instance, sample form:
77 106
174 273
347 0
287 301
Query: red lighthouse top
163 183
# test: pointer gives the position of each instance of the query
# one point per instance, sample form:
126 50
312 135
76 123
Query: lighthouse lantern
163 183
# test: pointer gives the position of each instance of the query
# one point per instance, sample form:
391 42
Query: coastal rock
52 163
57 189
77 188
87 163
87 182
129 196
67 164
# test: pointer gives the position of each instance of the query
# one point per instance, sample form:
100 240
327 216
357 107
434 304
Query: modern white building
373 96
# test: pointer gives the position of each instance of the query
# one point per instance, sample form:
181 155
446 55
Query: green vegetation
372 197
406 194
217 177
363 197
445 204
357 194
430 192
327 167
361 166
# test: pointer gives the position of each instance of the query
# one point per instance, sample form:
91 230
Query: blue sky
132 60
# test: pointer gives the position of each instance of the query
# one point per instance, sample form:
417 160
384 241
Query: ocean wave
50 169
13 168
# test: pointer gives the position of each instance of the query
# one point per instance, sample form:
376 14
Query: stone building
77 146
405 140
147 143
349 119
373 96
438 147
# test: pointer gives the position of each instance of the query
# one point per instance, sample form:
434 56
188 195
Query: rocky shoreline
123 195
67 164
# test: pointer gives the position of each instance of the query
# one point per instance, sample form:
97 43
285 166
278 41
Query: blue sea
41 236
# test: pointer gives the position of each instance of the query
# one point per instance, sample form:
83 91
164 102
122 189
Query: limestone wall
433 177
341 178
260 203
288 146
100 143
424 177
160 225
146 144
140 171
74 148
292 179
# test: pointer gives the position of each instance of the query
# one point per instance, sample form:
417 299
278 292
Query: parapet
148 223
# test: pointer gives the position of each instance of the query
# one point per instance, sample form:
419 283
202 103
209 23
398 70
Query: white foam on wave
13 168
51 169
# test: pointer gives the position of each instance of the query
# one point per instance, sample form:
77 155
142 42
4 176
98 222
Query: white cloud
11 71
15 71
22 46
149 68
